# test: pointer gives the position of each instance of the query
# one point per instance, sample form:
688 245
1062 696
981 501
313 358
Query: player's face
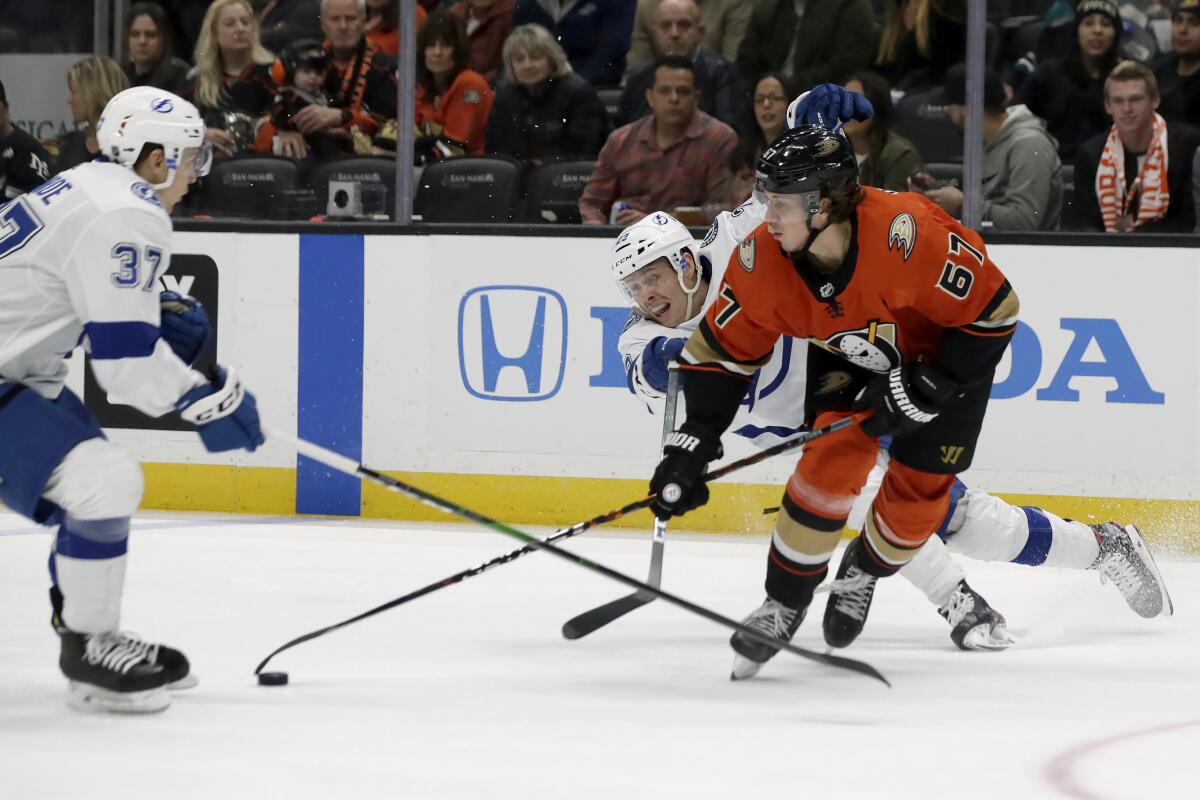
770 106
145 42
787 220
1185 33
529 69
235 28
186 172
1096 34
342 23
657 292
1130 105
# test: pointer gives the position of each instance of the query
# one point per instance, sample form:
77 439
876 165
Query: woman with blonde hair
921 40
231 83
544 111
91 83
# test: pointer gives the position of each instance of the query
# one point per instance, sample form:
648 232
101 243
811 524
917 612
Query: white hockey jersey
774 407
80 259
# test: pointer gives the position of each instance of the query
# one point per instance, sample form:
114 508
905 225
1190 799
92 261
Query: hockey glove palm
829 106
224 412
904 399
678 479
184 327
656 360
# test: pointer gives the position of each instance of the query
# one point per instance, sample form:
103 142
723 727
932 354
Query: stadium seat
364 170
611 100
1069 221
249 187
553 190
468 189
1025 39
921 118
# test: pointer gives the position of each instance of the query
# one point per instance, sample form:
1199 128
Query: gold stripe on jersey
702 349
803 544
885 544
1002 312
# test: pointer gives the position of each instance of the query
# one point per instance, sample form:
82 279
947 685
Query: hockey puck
272 679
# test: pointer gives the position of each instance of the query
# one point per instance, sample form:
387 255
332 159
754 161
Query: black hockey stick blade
598 617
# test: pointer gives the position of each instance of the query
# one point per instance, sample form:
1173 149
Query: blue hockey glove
656 360
829 105
184 327
224 413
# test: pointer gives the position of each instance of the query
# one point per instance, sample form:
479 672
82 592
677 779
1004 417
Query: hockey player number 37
957 276
18 224
130 272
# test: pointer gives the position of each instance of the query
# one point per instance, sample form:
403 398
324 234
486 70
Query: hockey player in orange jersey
914 317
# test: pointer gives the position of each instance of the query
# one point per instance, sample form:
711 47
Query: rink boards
484 368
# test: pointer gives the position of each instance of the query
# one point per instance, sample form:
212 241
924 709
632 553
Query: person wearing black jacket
678 31
1179 73
1068 92
1133 149
152 61
282 22
543 111
24 163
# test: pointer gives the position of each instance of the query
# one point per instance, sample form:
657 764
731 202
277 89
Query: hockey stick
589 621
351 467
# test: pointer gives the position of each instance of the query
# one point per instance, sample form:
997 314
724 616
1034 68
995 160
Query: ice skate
174 663
975 625
1126 561
849 600
772 619
111 672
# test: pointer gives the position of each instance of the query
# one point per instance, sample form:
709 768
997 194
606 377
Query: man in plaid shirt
676 156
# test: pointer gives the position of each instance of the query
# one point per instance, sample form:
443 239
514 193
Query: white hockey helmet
654 236
146 115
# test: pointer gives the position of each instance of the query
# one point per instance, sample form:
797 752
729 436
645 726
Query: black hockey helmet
303 54
809 160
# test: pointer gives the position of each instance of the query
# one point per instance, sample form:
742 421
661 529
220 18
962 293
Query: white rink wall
427 354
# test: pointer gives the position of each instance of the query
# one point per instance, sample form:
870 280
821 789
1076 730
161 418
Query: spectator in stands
886 160
543 111
724 23
231 83
1068 92
24 163
383 24
921 40
677 156
488 24
282 22
771 96
453 101
1178 74
678 31
822 42
151 60
594 34
91 83
1136 42
1138 176
360 80
300 73
1022 173
742 164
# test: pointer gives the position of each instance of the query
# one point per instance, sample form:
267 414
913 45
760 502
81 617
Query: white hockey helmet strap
657 235
146 115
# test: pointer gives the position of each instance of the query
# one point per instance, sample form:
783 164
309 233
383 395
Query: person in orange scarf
1137 177
453 102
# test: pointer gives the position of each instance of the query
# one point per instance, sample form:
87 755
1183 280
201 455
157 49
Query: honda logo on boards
512 342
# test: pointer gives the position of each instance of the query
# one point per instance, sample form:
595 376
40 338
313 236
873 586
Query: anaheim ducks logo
826 146
746 253
873 347
902 234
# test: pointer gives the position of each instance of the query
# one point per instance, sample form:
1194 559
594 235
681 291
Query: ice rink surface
472 692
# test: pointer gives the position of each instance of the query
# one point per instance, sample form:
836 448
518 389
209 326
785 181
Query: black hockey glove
904 399
677 481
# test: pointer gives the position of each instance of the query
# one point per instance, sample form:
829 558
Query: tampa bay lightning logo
162 105
659 218
711 236
145 192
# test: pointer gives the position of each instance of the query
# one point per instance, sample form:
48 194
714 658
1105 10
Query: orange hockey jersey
914 284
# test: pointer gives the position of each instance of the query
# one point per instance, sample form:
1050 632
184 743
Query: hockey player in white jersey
80 259
663 275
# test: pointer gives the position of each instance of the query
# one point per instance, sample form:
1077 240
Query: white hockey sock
993 530
934 572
